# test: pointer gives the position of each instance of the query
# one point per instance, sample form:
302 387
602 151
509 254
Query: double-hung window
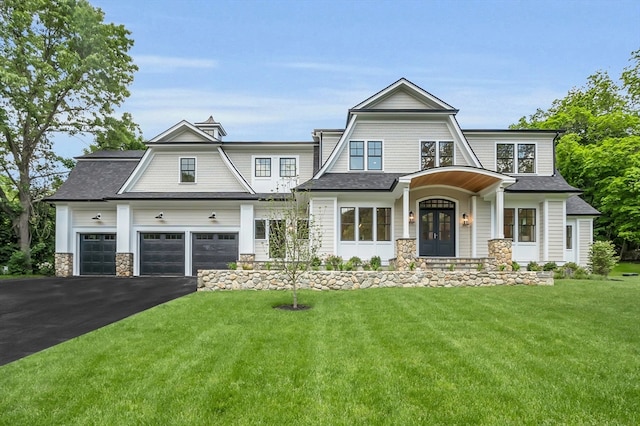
288 167
359 157
525 231
516 158
187 170
436 154
263 167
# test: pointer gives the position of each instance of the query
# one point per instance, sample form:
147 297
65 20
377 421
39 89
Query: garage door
97 254
213 250
161 254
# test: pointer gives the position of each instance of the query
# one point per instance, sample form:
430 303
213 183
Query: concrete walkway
39 313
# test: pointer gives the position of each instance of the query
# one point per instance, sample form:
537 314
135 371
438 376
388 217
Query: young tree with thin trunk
62 69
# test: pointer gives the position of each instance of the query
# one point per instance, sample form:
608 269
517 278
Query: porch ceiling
469 180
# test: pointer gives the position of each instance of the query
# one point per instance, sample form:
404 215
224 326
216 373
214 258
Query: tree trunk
24 233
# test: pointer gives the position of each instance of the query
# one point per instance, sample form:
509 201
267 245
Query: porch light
97 217
412 218
212 215
465 219
160 216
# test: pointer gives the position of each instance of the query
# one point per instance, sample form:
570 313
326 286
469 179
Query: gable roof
431 102
554 183
182 127
352 182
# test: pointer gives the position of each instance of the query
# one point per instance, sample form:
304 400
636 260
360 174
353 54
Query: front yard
495 355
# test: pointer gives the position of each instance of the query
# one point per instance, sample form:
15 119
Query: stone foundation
405 254
64 264
124 264
500 250
247 261
216 280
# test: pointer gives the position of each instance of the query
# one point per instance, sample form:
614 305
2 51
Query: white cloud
161 64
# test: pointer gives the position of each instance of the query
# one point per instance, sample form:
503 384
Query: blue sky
275 70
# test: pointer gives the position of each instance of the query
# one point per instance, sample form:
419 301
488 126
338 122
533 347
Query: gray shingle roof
196 196
94 180
352 182
576 206
555 183
133 154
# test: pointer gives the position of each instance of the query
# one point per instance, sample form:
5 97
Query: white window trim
515 156
366 155
357 207
437 142
195 170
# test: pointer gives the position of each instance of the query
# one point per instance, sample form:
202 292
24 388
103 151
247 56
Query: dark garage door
161 254
213 251
97 254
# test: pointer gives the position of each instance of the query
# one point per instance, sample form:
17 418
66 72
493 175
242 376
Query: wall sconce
160 216
97 217
465 219
212 215
412 218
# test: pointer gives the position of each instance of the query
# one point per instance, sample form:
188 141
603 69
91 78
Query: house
402 178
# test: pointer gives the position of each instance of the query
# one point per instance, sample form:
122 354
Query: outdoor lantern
465 219
412 218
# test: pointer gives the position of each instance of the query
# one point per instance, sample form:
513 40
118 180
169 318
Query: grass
624 267
566 354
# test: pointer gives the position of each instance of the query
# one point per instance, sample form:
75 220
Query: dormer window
187 170
507 162
371 157
287 167
436 154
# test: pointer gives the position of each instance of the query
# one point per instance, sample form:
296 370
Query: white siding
555 231
324 211
401 100
83 218
482 223
585 239
401 143
329 142
187 136
198 217
163 174
485 148
261 247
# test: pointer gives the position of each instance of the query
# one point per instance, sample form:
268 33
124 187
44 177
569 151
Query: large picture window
365 224
436 154
187 170
516 158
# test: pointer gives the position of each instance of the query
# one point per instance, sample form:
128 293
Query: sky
275 70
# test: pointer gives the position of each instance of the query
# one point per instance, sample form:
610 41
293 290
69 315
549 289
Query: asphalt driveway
39 313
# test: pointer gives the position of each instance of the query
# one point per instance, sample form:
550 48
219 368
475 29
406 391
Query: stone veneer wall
215 280
500 250
124 264
405 253
64 264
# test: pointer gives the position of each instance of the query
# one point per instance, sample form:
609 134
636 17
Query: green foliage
600 150
333 261
355 261
602 257
19 264
347 266
246 267
571 270
316 262
375 262
366 266
479 267
533 266
117 134
232 265
515 266
550 266
412 266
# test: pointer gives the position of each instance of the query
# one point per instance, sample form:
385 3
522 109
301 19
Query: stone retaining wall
215 280
64 264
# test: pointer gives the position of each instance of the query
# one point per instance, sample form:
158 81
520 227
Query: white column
246 229
474 236
405 212
63 229
123 228
499 213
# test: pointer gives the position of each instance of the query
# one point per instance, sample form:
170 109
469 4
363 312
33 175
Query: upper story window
516 158
287 167
436 154
371 157
263 167
187 170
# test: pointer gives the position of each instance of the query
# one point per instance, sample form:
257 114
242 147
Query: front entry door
437 228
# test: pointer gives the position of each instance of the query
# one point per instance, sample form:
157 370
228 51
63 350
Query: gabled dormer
401 129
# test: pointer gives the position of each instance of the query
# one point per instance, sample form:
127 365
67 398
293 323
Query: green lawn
623 267
567 354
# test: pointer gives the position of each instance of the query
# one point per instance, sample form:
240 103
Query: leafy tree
117 134
62 69
600 151
294 238
602 258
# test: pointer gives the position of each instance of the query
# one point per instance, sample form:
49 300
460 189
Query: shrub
355 261
46 268
602 257
533 266
348 266
335 262
366 266
375 263
232 265
550 266
316 262
515 266
18 264
247 267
